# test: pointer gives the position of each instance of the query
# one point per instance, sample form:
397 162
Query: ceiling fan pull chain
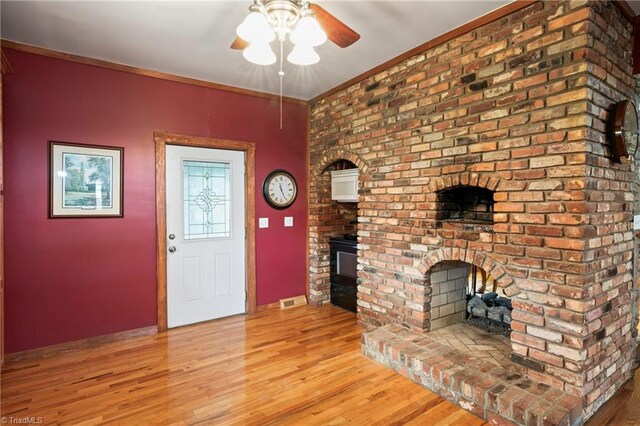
281 74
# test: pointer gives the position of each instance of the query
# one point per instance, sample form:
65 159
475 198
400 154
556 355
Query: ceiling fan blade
239 44
336 30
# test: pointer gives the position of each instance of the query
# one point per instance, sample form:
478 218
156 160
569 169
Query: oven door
344 265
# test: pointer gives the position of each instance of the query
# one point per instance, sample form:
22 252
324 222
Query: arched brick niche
337 154
462 207
328 218
464 204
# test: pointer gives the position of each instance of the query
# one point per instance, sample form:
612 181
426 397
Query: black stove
344 276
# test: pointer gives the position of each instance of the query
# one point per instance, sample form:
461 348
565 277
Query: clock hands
279 189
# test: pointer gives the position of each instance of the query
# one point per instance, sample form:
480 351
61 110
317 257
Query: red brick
507 399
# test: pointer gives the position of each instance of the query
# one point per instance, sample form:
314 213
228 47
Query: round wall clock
280 189
625 129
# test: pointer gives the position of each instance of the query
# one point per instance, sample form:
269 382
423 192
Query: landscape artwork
86 180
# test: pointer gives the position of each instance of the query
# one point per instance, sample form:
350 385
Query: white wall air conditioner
344 185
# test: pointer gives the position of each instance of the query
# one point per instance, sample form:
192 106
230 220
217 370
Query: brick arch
480 259
336 154
464 179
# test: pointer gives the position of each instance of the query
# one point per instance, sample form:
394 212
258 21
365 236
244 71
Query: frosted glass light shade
303 55
259 54
308 32
256 29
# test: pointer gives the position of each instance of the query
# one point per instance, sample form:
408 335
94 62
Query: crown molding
5 66
8 44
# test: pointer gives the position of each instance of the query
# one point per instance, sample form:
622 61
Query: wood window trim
162 139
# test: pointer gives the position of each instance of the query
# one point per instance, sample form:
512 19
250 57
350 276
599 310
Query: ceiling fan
307 25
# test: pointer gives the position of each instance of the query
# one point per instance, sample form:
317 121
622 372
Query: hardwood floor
292 367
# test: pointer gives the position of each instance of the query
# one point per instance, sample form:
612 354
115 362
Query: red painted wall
68 279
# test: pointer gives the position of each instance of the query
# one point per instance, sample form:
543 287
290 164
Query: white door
206 234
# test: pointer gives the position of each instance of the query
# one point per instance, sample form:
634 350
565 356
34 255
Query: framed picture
85 180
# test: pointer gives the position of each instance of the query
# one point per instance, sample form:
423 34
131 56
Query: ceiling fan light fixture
303 55
259 54
255 27
308 31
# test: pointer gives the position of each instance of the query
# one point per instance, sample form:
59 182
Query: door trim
162 139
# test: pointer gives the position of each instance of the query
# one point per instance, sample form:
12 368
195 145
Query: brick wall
518 107
607 213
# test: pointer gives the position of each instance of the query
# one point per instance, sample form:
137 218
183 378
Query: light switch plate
288 221
636 222
263 222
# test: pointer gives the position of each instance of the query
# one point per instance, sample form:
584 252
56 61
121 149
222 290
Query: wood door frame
162 139
5 68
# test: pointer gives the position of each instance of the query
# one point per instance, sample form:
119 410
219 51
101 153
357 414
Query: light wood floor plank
300 366
292 367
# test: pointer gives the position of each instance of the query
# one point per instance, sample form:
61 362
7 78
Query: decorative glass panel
207 204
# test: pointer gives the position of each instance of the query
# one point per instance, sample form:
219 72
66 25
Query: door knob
172 249
172 236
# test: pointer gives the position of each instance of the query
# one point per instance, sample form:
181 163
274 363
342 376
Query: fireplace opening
469 204
486 309
465 312
465 293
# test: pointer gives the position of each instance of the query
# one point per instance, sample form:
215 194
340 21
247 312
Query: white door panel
205 216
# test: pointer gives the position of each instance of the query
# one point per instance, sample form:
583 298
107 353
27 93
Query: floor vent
292 302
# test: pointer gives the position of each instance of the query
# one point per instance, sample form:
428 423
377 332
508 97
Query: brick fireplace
490 150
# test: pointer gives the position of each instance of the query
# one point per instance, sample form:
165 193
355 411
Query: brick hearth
516 111
497 394
478 343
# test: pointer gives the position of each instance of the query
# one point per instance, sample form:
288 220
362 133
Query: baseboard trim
82 344
92 342
262 308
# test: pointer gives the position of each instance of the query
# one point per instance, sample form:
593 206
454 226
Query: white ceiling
192 38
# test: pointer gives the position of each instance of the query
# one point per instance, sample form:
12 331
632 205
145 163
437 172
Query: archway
328 217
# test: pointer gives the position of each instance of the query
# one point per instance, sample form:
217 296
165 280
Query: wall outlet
636 222
288 221
263 222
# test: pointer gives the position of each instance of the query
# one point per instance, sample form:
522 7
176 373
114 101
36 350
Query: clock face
280 189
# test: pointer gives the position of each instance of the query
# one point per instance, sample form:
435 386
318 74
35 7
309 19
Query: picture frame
85 180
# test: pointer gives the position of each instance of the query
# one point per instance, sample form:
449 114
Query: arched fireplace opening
469 311
465 293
